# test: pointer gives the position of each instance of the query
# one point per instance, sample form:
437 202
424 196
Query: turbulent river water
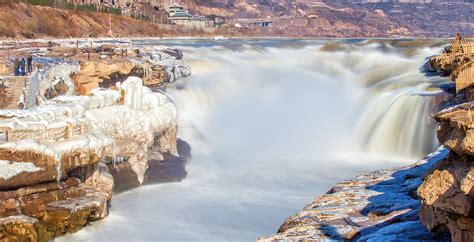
274 123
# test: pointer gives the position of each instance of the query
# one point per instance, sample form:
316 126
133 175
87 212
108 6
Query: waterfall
396 111
398 124
274 123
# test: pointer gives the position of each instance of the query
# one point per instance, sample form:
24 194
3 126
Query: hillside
23 20
301 18
350 18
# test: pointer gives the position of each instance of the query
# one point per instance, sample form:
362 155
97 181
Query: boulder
22 228
450 186
170 169
456 128
51 209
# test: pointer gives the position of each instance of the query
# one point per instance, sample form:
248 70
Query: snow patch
9 169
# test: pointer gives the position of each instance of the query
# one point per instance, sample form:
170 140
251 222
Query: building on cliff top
178 15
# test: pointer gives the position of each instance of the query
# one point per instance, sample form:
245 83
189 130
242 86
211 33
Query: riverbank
380 205
423 201
83 125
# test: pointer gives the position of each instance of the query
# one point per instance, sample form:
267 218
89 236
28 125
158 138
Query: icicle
114 155
59 167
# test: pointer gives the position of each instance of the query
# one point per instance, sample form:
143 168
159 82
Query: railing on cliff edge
461 57
26 97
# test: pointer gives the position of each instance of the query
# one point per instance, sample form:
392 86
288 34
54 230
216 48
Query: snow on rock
9 169
60 72
172 59
60 159
93 124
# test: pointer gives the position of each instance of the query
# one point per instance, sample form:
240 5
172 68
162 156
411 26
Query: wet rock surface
170 169
381 205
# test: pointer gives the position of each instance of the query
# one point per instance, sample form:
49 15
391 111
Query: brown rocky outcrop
51 209
456 128
49 194
448 196
447 192
109 65
53 179
456 61
96 74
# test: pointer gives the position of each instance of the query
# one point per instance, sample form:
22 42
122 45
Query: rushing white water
273 123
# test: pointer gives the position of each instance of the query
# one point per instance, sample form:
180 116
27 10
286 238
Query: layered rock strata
63 155
447 193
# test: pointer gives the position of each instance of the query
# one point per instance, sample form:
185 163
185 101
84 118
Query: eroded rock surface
49 210
156 66
456 128
447 193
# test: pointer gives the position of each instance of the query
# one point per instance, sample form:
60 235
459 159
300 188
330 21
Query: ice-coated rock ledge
378 206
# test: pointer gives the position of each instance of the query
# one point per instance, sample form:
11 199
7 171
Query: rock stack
447 194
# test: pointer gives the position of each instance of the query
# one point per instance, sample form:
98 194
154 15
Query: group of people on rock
23 67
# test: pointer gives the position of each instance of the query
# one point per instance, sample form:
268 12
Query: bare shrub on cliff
48 25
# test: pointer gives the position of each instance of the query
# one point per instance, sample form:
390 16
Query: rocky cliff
61 161
347 18
447 190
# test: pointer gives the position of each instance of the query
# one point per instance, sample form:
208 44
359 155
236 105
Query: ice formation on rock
69 123
61 155
175 67
10 169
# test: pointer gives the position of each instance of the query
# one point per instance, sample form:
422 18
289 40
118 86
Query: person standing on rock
16 67
22 66
30 64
